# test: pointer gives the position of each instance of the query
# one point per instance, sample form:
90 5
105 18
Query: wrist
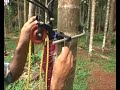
24 36
56 84
22 48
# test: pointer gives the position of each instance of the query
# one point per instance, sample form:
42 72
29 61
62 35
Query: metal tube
65 39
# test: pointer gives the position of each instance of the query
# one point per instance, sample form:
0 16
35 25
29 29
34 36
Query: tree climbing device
43 33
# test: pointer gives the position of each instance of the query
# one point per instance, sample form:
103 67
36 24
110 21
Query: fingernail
36 21
62 49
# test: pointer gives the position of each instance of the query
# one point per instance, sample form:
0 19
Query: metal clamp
65 39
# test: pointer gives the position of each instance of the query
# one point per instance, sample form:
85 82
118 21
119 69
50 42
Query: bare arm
16 66
61 70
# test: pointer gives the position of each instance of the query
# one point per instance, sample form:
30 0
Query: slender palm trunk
92 27
101 13
106 25
88 18
25 17
18 3
88 24
68 23
112 23
83 13
46 1
31 13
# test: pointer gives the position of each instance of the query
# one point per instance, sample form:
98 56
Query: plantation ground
96 73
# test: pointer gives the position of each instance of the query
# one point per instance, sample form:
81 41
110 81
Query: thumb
64 53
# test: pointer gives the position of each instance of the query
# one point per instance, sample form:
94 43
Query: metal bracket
65 39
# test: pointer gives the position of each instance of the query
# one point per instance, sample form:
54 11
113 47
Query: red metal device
35 39
34 32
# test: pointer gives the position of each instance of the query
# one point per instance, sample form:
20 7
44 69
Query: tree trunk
112 22
88 24
68 22
21 14
80 12
106 26
4 31
31 13
88 19
92 27
18 1
99 27
25 17
39 9
83 13
46 1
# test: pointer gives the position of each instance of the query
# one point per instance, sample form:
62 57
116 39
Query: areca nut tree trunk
46 2
18 7
92 27
88 23
112 23
25 12
31 13
106 25
68 23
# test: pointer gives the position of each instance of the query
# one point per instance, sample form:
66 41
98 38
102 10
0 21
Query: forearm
56 84
17 64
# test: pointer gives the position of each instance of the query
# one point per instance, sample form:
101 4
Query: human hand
25 31
62 67
18 63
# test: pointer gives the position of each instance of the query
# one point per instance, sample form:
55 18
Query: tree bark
46 2
112 23
88 24
80 11
88 19
83 13
31 13
68 22
92 27
25 17
101 11
39 9
18 1
106 26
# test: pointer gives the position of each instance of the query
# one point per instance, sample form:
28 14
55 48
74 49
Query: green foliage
111 63
36 57
108 65
11 44
10 48
81 75
16 31
114 40
82 43
10 12
98 37
7 58
18 85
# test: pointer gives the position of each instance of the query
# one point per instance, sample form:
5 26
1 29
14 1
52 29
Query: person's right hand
63 65
25 31
18 63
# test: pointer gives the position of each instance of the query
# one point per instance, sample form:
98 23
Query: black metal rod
37 3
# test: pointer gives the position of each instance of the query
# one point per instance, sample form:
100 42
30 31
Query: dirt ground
99 79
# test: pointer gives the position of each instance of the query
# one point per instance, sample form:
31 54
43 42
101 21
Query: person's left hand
62 68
